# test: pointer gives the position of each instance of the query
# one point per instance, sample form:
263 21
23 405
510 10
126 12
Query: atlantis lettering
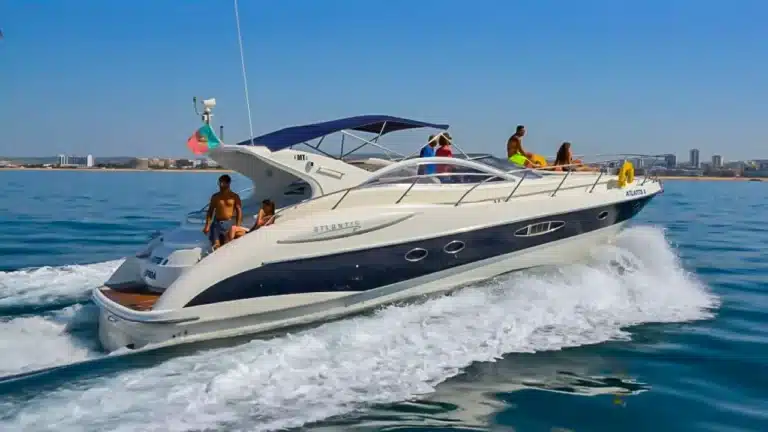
636 192
350 225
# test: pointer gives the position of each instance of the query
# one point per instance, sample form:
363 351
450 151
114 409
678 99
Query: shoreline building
694 160
717 161
75 161
671 161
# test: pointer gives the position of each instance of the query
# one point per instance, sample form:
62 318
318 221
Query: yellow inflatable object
539 159
626 174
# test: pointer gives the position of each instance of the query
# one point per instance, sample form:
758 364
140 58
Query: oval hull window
454 247
602 215
416 254
540 228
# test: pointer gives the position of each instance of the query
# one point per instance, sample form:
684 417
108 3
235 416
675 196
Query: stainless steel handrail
568 172
596 181
515 175
415 178
473 188
514 172
517 186
413 183
565 177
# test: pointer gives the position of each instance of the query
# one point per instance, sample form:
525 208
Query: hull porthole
416 254
602 215
454 247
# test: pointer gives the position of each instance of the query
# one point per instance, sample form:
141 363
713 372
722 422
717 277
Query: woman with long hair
265 217
564 160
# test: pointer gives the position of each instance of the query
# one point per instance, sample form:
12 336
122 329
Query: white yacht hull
229 319
361 241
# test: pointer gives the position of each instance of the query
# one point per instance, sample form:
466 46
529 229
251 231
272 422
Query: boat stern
128 316
126 319
112 335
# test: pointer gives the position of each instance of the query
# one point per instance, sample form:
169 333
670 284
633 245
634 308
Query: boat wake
45 317
395 354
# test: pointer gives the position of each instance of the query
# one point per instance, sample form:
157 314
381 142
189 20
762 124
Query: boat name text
349 225
636 192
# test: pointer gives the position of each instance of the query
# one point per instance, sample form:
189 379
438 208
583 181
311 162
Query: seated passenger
265 217
515 152
564 160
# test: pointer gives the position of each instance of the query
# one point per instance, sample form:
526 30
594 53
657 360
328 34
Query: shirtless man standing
515 152
221 213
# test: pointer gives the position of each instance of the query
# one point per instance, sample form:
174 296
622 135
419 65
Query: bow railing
515 176
486 174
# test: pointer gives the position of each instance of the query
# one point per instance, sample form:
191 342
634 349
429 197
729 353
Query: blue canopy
383 124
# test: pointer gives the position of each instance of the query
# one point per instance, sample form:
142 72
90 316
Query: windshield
494 162
498 163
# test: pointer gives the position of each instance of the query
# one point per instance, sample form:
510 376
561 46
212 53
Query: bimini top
380 124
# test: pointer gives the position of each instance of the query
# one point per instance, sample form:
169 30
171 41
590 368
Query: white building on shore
76 161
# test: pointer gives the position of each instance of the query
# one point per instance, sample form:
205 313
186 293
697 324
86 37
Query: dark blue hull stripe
368 269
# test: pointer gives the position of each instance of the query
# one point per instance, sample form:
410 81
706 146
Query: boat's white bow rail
466 176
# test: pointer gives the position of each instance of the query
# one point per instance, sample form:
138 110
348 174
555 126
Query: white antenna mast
242 62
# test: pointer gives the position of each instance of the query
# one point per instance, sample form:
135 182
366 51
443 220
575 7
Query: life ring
626 174
536 158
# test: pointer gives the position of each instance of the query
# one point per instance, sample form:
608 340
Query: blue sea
667 329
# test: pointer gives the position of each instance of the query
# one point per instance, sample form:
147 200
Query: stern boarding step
137 299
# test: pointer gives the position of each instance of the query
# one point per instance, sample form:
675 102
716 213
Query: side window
433 172
402 175
540 228
427 172
296 188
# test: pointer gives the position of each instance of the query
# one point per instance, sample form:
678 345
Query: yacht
351 235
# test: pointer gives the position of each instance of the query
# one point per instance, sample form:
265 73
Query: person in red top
444 150
444 143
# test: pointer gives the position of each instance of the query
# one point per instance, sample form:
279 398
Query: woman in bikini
564 160
266 217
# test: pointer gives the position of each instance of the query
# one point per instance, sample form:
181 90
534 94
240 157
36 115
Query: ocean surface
667 329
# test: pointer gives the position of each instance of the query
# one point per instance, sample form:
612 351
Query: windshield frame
500 164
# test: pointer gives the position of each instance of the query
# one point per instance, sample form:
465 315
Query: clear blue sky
112 77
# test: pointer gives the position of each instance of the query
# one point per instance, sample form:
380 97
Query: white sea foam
52 285
60 337
396 354
53 338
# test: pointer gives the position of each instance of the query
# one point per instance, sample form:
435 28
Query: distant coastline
172 170
223 170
